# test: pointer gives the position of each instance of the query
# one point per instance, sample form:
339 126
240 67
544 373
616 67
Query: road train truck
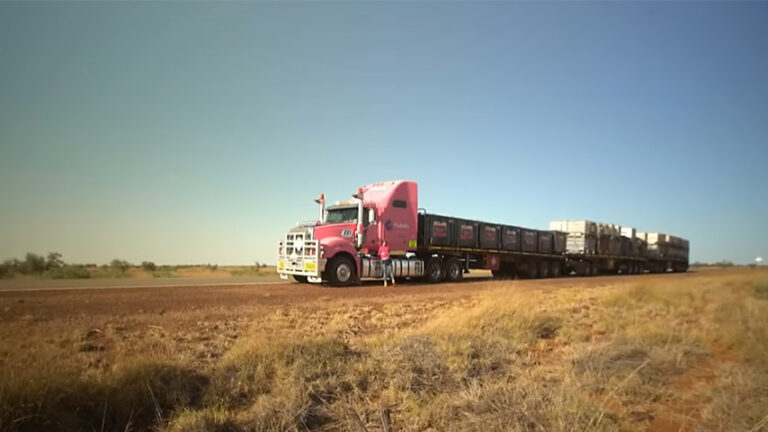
341 247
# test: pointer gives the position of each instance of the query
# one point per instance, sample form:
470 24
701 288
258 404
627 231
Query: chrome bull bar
299 255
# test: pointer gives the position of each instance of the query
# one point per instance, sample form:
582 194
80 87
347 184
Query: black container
604 244
561 242
530 239
626 246
510 238
435 230
546 242
466 233
490 236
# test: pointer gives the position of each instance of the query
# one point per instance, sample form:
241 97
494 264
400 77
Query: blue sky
200 132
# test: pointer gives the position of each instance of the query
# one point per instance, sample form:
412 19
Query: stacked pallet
580 235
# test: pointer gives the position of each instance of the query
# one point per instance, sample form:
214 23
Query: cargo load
490 236
546 242
628 232
466 233
656 245
582 245
510 238
530 240
609 244
608 229
561 240
581 235
574 226
638 247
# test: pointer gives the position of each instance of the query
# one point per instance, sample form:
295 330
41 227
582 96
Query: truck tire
300 279
453 270
341 271
434 270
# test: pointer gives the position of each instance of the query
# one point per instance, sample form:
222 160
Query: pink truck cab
340 248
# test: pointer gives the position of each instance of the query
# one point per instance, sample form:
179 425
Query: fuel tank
402 267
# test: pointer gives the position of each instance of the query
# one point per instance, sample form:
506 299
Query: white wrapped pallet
573 226
581 244
607 229
628 232
583 226
655 238
558 225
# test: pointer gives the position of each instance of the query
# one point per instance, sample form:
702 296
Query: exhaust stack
359 233
321 200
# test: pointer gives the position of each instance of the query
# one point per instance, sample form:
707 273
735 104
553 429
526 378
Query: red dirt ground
126 301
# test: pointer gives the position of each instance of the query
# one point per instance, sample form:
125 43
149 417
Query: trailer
506 250
604 248
340 248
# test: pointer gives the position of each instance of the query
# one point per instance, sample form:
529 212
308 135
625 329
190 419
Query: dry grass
683 355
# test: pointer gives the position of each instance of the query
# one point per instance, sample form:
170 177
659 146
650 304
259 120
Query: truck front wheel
300 279
340 271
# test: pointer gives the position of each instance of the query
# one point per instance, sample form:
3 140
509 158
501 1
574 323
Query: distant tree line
50 265
53 266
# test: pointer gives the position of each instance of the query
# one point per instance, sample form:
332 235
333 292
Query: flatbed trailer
591 265
506 250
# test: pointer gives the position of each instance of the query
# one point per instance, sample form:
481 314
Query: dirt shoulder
53 303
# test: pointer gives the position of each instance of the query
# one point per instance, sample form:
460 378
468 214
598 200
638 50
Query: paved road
22 284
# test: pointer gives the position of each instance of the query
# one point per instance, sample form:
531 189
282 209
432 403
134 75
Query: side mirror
371 218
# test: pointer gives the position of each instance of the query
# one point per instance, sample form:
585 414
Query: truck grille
299 255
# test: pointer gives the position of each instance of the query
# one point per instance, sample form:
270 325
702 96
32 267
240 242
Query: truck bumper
299 255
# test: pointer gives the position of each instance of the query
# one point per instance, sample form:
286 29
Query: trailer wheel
340 271
453 270
435 272
300 279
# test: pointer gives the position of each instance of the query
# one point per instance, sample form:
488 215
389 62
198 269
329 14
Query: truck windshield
346 215
341 215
